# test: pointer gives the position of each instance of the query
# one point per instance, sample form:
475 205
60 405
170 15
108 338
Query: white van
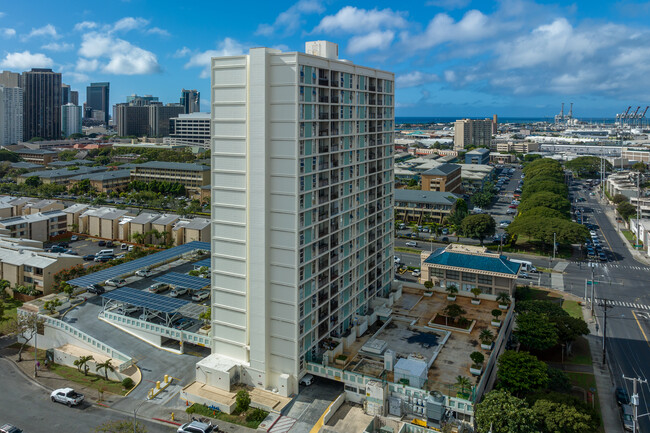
307 380
105 253
525 265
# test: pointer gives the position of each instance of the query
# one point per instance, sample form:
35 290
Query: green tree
626 210
6 155
458 213
454 311
206 316
639 166
486 337
242 401
619 198
521 372
555 417
557 380
477 359
503 298
478 226
106 366
541 185
412 183
463 383
82 362
26 326
451 289
501 412
586 166
546 199
535 332
428 285
33 181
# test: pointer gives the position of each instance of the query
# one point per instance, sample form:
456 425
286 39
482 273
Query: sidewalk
609 410
640 255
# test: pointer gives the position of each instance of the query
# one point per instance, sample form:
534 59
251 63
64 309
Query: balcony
323 132
323 166
323 99
323 280
335 99
323 116
323 181
322 81
334 115
372 88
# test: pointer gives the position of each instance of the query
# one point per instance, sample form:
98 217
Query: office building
10 79
131 120
191 128
141 101
191 100
74 97
302 209
97 99
480 156
41 104
472 132
443 177
65 94
11 115
159 116
70 119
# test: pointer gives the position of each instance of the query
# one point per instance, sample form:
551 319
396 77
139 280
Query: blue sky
451 57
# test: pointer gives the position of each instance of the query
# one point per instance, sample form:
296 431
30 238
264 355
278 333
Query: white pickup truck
67 396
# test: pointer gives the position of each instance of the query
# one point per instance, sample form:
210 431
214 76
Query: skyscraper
472 132
159 116
11 115
191 100
65 94
71 119
74 97
302 208
97 98
10 79
42 104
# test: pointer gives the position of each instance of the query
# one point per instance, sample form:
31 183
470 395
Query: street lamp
135 414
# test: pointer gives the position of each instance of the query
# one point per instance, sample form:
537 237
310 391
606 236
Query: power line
634 401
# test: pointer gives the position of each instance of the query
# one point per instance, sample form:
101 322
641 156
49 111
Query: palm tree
106 366
138 238
503 298
486 337
454 311
462 382
82 362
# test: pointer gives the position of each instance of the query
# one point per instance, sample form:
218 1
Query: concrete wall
64 358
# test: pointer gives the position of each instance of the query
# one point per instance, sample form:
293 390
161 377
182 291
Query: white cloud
87 65
123 57
26 60
55 46
450 76
227 47
370 41
2 14
415 78
77 77
353 20
8 33
47 30
442 28
157 31
85 25
291 19
129 23
180 53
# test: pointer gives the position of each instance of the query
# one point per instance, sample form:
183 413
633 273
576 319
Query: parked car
96 289
64 245
511 212
628 417
197 427
115 282
124 246
148 315
416 273
8 428
182 323
445 231
109 243
396 259
71 252
89 257
411 244
178 291
143 273
200 295
622 397
524 275
66 396
131 247
74 238
127 309
102 243
103 259
307 380
158 288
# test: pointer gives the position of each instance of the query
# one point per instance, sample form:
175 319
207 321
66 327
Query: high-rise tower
11 115
302 207
191 100
97 98
42 104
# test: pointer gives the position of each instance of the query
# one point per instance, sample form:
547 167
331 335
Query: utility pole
634 401
604 305
638 210
554 243
35 347
592 288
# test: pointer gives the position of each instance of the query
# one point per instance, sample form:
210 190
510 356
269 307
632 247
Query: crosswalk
613 266
624 304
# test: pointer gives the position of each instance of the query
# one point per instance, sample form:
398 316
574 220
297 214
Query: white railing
153 328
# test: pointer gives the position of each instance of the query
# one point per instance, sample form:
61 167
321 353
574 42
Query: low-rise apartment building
105 181
188 230
141 225
38 156
413 206
518 146
72 215
444 178
21 265
164 225
468 267
621 183
101 222
191 176
42 206
39 226
59 176
474 176
478 156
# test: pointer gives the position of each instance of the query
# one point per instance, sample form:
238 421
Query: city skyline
451 57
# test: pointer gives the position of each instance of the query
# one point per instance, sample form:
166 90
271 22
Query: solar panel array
205 262
141 298
141 263
183 280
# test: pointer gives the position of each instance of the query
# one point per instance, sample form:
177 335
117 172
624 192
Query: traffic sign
590 282
638 245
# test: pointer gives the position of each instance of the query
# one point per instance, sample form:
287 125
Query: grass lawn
580 354
91 381
587 382
10 313
407 250
231 418
525 293
573 308
629 236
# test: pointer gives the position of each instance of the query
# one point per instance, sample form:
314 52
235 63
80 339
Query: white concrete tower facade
11 115
302 207
70 119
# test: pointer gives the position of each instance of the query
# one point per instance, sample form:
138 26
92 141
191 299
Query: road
28 406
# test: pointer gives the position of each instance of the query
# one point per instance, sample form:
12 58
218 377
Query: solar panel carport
183 280
149 261
205 262
148 301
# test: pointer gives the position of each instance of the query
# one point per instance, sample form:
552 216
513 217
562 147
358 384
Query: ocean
424 120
